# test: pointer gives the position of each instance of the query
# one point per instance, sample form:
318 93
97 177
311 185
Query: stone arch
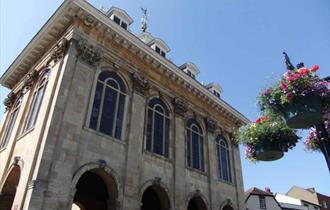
226 205
124 77
101 174
157 191
9 186
197 201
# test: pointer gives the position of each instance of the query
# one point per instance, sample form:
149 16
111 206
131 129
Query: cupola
120 17
214 88
190 69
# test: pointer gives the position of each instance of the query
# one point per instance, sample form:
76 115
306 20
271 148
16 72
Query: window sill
25 133
151 154
226 182
3 149
105 136
196 170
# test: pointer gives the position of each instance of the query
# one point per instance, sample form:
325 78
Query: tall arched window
158 122
223 159
109 103
37 101
11 122
195 149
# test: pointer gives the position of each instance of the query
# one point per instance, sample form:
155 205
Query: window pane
201 153
35 107
224 166
108 111
9 129
159 109
116 20
113 84
124 25
96 106
195 150
188 147
158 134
149 129
157 49
167 133
163 54
120 116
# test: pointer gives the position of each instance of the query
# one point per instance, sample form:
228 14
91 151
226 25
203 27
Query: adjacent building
257 199
100 118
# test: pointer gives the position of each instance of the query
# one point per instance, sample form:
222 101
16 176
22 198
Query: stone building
98 118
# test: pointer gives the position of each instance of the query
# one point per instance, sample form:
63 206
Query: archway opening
196 203
227 207
8 191
155 197
95 190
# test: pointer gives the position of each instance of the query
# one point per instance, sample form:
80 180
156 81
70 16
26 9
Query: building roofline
133 39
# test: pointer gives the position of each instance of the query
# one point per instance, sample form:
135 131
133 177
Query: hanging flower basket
303 111
273 150
296 97
267 139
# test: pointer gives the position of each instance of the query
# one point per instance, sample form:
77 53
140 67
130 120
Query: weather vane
144 19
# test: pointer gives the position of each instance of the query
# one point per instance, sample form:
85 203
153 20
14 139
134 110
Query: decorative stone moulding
180 106
140 83
10 100
89 53
211 124
59 51
157 181
30 79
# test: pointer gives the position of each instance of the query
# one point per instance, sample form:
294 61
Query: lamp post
321 130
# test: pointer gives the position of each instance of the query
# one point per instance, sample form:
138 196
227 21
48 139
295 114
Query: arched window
195 149
158 122
11 122
36 101
223 159
109 103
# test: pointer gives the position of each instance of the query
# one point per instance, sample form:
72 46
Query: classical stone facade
61 147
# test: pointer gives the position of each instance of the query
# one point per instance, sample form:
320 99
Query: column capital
211 124
140 83
180 106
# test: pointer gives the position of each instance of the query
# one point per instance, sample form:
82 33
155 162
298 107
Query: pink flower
289 96
315 68
284 87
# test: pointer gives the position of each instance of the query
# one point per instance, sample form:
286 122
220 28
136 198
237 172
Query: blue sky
237 43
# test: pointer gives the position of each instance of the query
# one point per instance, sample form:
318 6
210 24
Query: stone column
135 143
211 126
179 172
238 177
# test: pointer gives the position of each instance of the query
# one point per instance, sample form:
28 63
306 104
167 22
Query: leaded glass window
38 95
109 105
158 122
195 149
223 159
11 122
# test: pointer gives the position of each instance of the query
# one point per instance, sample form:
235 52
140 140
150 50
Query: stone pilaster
180 108
135 144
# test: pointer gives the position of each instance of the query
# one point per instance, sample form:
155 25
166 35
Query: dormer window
160 52
120 17
120 22
216 93
190 69
214 88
